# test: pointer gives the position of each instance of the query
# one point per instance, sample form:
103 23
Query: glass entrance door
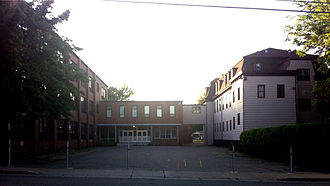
134 136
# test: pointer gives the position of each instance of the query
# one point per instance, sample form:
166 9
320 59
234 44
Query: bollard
67 153
291 163
233 160
128 149
9 152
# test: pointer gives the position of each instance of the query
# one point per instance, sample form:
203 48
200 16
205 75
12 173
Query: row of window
91 84
45 129
230 124
261 91
146 109
225 101
84 102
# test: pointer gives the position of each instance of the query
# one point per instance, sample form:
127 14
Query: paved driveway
187 158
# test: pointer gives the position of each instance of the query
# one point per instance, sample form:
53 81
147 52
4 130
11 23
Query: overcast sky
170 52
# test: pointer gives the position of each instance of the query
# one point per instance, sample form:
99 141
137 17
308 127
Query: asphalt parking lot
171 158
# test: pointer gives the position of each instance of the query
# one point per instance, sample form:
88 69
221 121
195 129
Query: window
229 75
226 125
234 123
91 132
91 108
165 132
280 91
97 87
196 110
109 111
147 111
122 111
97 108
159 111
45 128
83 102
223 126
172 111
91 84
258 67
238 93
230 124
134 111
261 91
304 104
238 119
233 96
216 105
61 130
74 130
83 130
303 74
103 93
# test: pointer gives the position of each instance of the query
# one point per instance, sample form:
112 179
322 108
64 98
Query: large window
303 74
61 130
238 93
134 111
102 93
45 128
122 111
172 111
147 111
234 124
304 104
196 110
238 119
73 130
83 102
91 108
280 91
91 132
83 130
261 91
97 87
159 112
91 84
109 111
165 132
233 96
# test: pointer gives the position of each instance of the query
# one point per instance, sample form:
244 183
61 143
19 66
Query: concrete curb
173 175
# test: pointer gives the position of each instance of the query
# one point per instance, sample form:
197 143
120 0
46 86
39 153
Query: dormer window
229 75
258 67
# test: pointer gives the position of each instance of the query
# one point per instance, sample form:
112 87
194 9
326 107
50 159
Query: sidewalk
187 175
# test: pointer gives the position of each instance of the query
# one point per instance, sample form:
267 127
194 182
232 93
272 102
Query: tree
36 76
201 98
120 94
312 33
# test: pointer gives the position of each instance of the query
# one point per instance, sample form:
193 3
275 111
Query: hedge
310 144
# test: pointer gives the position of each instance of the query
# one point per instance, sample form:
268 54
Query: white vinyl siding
269 111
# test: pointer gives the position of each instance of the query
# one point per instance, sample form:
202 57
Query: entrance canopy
138 124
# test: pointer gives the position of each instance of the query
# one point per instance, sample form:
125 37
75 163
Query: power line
216 6
307 2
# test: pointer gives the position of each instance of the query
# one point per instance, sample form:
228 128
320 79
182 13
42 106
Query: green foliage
312 33
201 98
36 76
120 94
309 142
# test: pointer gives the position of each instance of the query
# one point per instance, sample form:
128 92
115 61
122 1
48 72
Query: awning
138 124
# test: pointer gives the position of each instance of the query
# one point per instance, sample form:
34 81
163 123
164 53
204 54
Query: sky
170 52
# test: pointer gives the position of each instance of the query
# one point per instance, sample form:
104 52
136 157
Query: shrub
310 143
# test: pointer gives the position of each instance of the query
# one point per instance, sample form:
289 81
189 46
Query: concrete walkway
153 174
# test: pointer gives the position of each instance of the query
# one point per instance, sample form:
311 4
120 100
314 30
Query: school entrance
134 136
